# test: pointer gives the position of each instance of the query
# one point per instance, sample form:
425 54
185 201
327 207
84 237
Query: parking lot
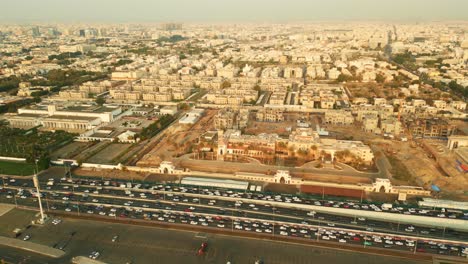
137 244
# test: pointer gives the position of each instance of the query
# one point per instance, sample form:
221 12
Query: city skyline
27 11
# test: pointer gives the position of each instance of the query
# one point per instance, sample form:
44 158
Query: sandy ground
178 140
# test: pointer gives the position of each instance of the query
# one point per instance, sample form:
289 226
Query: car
267 230
94 255
342 241
114 238
220 225
68 209
258 230
283 233
325 238
57 221
26 237
203 248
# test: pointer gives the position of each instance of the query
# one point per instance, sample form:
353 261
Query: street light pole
36 184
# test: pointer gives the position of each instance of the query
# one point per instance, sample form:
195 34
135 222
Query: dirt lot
70 150
111 174
454 184
109 153
179 140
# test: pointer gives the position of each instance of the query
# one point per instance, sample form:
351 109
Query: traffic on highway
229 209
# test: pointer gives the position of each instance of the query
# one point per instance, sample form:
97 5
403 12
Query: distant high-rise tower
82 33
35 32
171 26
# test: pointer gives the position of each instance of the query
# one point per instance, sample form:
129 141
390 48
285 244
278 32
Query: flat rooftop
231 184
71 118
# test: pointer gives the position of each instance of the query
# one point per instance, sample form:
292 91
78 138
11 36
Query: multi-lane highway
241 211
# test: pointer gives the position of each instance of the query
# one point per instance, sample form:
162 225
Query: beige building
70 94
277 98
70 118
370 123
157 97
339 117
269 115
391 126
228 118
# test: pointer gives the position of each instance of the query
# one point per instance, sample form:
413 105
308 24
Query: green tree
100 100
380 78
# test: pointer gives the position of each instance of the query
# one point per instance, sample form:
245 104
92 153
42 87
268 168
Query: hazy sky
229 10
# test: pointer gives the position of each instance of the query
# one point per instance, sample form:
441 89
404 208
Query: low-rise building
269 115
430 128
339 117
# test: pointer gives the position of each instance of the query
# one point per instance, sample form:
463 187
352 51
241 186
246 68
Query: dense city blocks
301 136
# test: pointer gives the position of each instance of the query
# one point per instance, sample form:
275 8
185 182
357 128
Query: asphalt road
88 198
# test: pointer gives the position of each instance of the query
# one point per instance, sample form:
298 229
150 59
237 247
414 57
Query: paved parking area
140 244
5 208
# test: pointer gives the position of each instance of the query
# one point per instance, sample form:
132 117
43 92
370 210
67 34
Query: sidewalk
30 246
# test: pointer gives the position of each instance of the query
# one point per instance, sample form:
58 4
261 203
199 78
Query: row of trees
9 83
60 78
153 129
31 144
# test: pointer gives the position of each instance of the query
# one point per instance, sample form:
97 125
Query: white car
283 233
342 241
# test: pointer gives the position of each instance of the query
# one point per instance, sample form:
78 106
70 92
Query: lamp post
36 184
